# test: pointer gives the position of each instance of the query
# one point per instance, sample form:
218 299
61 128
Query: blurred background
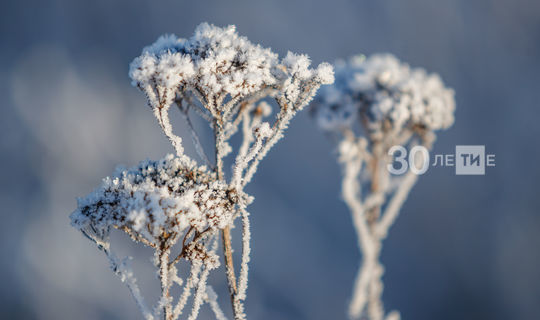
464 247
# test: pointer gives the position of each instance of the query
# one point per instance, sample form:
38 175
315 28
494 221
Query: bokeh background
465 247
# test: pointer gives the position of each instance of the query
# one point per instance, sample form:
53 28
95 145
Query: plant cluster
184 209
232 84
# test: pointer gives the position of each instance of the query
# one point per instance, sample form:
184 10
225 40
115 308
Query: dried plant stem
165 284
372 226
195 138
199 294
374 213
368 285
211 298
229 263
375 306
369 247
392 209
351 195
126 275
191 282
226 232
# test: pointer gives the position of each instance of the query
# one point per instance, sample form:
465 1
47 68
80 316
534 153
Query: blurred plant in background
375 104
224 79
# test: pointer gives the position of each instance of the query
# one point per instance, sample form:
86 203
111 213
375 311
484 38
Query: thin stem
396 202
246 250
186 292
196 141
229 264
165 284
351 195
127 276
219 141
136 238
282 120
375 308
374 213
226 232
392 209
162 115
199 294
211 298
198 236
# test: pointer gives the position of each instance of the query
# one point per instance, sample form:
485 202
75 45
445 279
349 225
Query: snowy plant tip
386 91
156 200
215 63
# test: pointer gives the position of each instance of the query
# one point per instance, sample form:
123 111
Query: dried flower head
386 95
223 71
156 202
212 61
215 62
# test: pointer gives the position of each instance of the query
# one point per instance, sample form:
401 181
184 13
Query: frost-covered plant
229 82
374 104
159 203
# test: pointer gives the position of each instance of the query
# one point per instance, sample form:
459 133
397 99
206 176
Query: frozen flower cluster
215 63
386 95
157 200
224 72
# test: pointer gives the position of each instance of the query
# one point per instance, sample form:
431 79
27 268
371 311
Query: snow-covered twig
195 138
246 250
199 294
211 298
191 281
127 276
120 268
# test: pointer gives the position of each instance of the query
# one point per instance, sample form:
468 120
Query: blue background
465 247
